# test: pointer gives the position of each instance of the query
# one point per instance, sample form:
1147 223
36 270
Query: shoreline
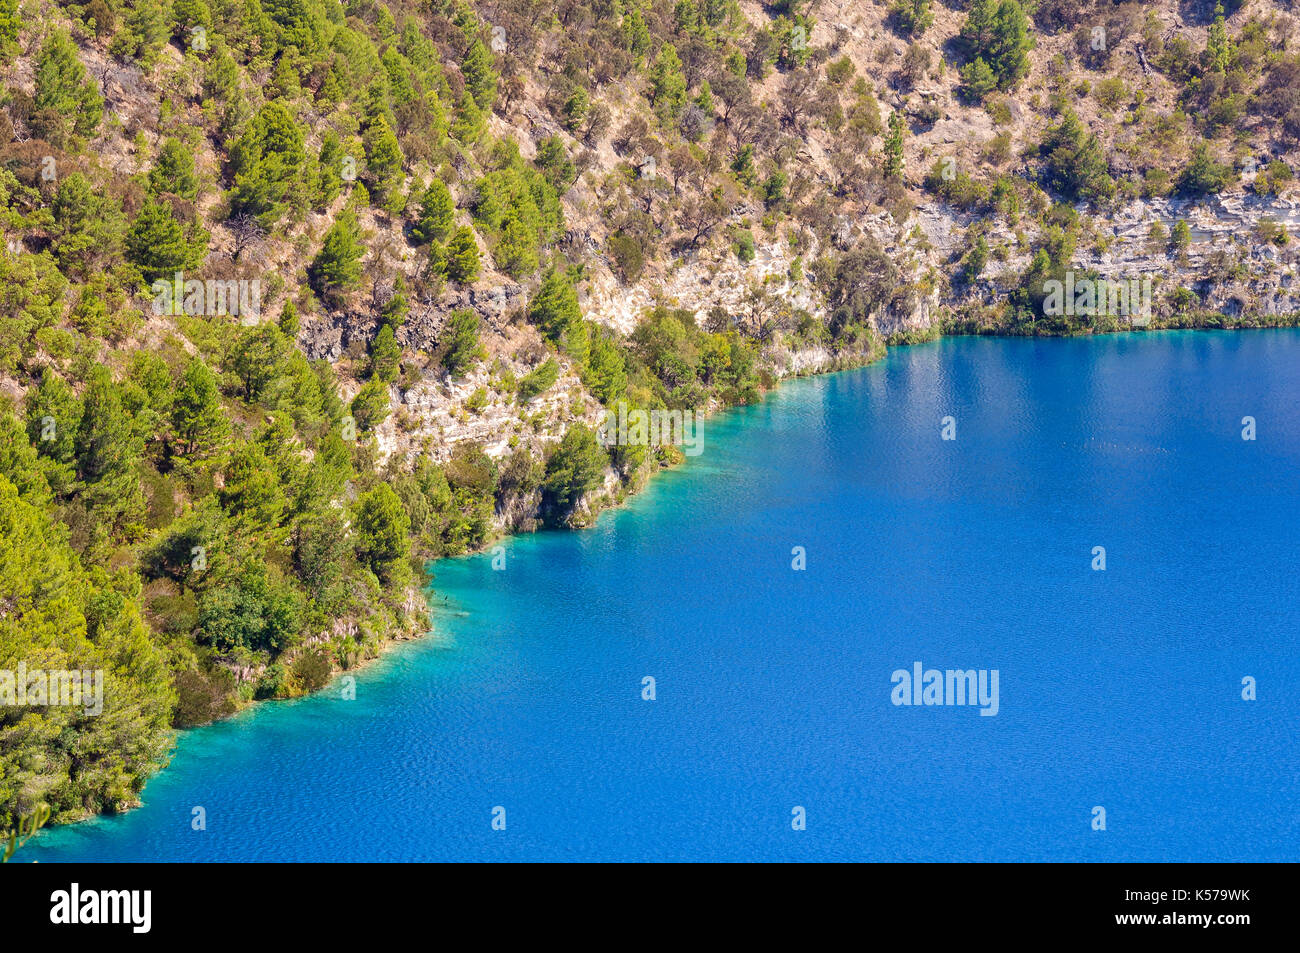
428 576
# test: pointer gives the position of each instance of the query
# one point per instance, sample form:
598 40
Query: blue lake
1119 689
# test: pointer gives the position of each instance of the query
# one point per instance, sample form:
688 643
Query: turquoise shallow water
1119 689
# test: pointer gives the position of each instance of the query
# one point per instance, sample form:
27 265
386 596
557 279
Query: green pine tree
667 84
383 162
480 75
382 529
437 211
385 355
462 337
157 244
266 165
336 269
173 172
894 146
462 259
199 423
66 101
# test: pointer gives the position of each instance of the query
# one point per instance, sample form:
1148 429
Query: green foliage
198 422
1203 175
336 269
321 552
1219 48
575 108
257 360
10 24
1272 178
252 493
66 101
791 33
329 171
393 312
312 670
24 831
742 243
997 34
187 15
974 261
539 380
913 17
300 23
53 416
628 256
553 159
840 71
1075 163
385 355
743 165
370 407
636 36
894 146
864 282
555 311
462 264
175 554
61 616
470 122
437 212
266 165
158 245
383 163
220 73
251 607
32 293
144 33
606 371
450 511
978 80
88 229
955 186
574 469
515 251
1051 260
288 320
480 76
382 527
108 454
667 85
173 172
774 189
518 211
462 337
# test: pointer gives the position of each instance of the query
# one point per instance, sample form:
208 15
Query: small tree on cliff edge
575 468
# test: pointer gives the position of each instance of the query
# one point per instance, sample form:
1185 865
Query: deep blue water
1119 689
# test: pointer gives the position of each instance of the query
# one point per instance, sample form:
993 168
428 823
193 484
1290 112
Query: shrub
462 336
1203 175
539 380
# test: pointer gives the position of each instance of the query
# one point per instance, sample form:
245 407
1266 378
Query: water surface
1119 689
